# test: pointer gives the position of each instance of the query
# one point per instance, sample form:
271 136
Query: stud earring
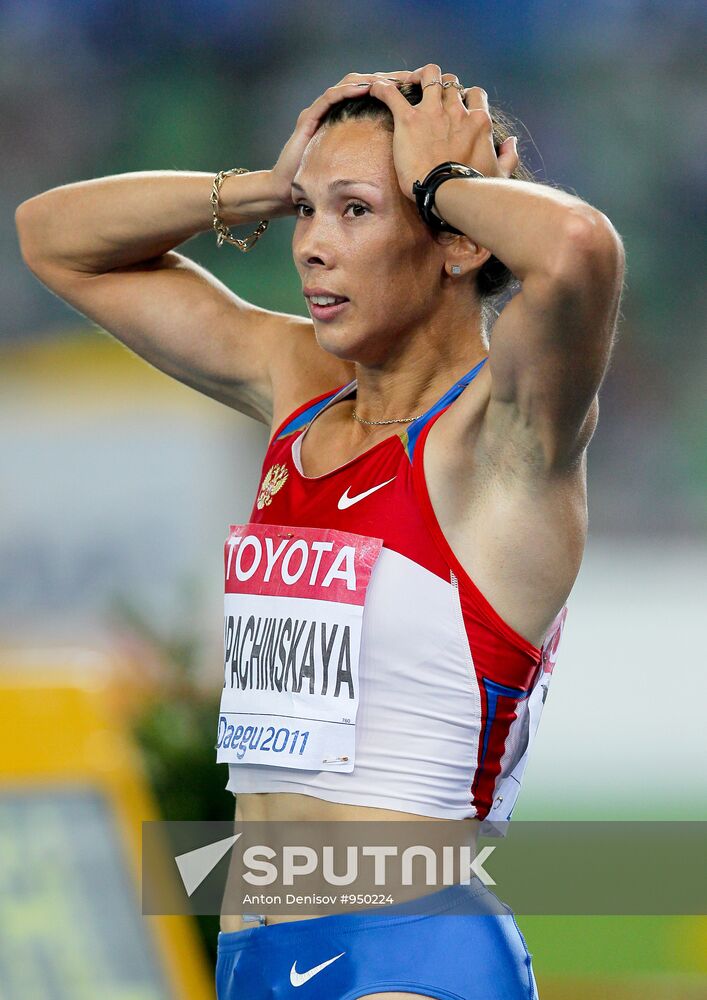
456 269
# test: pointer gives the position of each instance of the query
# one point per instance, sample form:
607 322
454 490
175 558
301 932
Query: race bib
294 600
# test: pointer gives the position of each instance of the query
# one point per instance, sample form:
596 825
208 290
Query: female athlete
422 514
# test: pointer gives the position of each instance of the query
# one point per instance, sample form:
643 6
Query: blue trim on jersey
307 415
459 943
417 426
493 692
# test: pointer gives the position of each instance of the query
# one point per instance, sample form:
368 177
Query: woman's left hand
442 128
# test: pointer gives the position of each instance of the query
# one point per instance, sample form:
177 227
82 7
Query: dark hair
494 278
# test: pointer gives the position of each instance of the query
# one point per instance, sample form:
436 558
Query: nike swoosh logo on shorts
346 501
300 978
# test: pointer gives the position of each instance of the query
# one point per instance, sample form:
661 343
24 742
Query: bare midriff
291 807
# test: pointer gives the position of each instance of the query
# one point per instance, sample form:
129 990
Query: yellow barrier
72 800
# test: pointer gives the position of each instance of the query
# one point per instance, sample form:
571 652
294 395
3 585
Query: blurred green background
118 486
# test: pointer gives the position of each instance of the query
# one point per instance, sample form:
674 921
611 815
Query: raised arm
551 345
106 246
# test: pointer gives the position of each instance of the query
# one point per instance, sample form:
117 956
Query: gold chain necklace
401 420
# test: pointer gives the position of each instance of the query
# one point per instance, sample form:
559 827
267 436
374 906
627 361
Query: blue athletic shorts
460 943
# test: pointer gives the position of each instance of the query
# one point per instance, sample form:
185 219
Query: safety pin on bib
333 760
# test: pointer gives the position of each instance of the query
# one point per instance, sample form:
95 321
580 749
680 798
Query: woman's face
363 240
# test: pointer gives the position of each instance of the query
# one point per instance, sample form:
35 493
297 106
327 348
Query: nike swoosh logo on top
346 501
300 978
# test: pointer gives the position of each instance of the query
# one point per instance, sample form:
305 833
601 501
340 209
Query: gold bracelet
222 231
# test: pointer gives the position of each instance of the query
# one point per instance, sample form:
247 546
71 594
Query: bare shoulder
514 461
517 526
180 318
300 369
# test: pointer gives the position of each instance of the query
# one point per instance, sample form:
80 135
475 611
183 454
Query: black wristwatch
425 193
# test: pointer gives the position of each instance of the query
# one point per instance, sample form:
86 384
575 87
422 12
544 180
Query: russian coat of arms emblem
274 480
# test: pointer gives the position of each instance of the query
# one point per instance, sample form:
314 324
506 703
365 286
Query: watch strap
424 192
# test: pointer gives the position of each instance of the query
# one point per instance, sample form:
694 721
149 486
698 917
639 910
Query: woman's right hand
352 85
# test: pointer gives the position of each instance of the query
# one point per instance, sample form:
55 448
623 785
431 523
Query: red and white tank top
362 664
